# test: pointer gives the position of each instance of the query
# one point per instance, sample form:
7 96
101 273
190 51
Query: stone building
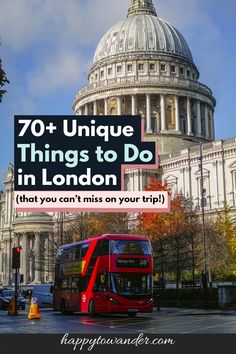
144 66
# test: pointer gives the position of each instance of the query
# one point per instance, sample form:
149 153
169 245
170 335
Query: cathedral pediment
205 172
171 178
233 165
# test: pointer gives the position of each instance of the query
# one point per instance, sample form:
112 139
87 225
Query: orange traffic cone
12 309
34 313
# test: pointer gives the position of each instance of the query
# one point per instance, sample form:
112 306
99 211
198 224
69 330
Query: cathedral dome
142 32
144 66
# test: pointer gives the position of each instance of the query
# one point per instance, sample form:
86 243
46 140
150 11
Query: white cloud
60 70
59 34
56 33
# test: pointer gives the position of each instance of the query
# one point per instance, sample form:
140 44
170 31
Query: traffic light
16 257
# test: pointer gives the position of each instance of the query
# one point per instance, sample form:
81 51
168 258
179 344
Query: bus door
101 289
75 296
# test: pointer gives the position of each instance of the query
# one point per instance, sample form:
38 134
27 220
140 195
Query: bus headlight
114 301
150 301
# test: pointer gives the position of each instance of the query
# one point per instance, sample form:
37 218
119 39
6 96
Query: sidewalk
191 312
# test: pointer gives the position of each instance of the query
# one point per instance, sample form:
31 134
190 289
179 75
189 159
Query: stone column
206 121
106 106
148 114
86 110
79 112
46 257
119 106
199 120
212 125
51 254
189 118
25 257
163 113
38 260
177 120
95 108
134 104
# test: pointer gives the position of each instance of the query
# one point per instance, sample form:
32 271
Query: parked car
5 298
43 293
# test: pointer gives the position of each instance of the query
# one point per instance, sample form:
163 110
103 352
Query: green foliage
3 81
227 231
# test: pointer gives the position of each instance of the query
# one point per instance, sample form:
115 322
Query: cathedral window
129 67
188 73
118 69
181 70
173 69
234 180
3 263
140 67
102 73
152 66
163 67
171 114
109 71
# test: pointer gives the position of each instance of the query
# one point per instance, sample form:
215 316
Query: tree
86 225
3 81
218 255
173 234
226 232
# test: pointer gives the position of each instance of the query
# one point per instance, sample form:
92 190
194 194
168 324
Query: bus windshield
130 247
131 284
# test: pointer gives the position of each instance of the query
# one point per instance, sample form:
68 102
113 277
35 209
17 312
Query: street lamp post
204 275
203 212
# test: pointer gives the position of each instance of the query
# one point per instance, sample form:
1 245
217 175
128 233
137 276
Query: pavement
168 321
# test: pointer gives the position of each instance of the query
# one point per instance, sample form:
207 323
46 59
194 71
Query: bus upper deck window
77 252
84 249
58 256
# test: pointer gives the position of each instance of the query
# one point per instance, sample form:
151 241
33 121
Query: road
166 321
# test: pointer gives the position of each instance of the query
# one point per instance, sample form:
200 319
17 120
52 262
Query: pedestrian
157 301
30 295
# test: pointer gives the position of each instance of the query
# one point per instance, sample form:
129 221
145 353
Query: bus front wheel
92 308
63 307
132 314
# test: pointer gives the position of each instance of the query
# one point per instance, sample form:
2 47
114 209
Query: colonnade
203 120
37 254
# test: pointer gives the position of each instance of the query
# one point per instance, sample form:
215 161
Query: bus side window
102 248
77 252
84 283
84 249
57 285
64 284
66 254
76 284
101 284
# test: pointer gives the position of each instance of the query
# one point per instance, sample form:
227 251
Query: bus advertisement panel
105 274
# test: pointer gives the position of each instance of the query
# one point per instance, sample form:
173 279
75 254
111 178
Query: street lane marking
169 326
210 327
99 325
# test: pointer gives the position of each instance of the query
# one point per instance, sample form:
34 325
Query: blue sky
48 46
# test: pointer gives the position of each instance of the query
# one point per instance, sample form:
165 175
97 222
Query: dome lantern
141 6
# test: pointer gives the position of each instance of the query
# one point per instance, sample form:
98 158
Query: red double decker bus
105 274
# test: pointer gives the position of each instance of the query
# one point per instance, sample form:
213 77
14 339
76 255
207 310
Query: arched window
170 114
